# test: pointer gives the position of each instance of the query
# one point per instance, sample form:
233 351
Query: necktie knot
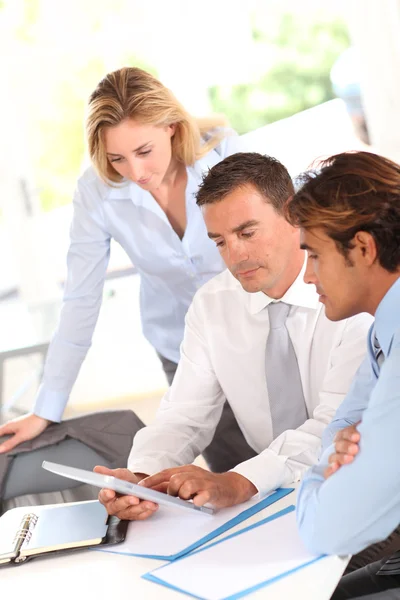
379 356
278 312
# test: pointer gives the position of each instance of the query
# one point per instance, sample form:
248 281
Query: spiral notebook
31 531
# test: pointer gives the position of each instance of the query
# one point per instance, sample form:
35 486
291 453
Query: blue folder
151 576
280 493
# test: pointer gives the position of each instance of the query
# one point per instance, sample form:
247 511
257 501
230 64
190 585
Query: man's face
340 282
257 244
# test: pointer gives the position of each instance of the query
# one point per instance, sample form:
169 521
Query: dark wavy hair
351 192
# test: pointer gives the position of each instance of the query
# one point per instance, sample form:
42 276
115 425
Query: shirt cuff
147 465
267 472
50 404
324 458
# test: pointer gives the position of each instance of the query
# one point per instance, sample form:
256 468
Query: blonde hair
131 93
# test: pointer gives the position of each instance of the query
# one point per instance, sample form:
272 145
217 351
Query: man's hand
189 481
22 429
346 448
129 508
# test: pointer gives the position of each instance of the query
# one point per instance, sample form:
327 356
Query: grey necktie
286 398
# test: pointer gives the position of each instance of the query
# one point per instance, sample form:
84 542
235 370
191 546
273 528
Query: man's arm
189 412
185 424
290 454
345 449
293 452
359 505
353 406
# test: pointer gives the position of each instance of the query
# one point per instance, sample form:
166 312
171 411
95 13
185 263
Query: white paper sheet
170 530
240 563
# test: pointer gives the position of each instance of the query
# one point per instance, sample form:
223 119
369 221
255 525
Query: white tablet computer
123 487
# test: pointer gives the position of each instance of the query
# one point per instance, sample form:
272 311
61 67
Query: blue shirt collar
387 317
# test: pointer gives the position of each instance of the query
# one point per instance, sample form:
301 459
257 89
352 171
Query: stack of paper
171 532
241 563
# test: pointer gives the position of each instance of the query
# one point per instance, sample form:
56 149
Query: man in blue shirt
349 217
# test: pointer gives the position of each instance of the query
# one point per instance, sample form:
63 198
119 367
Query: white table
89 574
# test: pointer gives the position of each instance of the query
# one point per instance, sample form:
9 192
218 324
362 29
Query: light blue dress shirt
360 503
171 270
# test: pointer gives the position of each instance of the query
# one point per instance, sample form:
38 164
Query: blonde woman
148 157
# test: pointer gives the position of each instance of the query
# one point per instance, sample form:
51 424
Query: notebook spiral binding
24 534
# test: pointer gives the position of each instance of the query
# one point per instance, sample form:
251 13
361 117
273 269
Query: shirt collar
299 294
387 317
140 197
126 189
204 164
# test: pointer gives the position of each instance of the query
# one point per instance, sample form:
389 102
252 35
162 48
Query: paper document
171 533
241 563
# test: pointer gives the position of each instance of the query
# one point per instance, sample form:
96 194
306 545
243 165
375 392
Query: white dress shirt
223 356
171 270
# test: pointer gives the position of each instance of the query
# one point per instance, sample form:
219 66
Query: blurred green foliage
299 50
61 145
299 55
68 70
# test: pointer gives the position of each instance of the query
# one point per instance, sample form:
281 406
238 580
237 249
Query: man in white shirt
283 380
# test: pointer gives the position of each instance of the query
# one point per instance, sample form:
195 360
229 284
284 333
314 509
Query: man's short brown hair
266 174
352 191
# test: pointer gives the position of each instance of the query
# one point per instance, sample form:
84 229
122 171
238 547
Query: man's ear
365 243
